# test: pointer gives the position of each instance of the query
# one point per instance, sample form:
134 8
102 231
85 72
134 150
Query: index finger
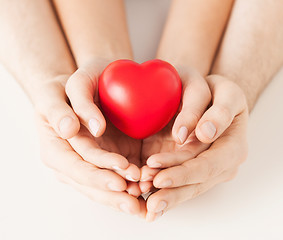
225 153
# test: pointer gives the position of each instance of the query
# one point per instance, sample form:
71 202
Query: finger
121 201
132 173
148 173
145 187
84 144
81 89
164 199
228 102
196 97
224 154
53 106
170 159
58 154
142 202
133 189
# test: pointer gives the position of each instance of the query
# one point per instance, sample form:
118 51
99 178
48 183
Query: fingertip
134 189
152 162
121 163
182 134
97 125
117 186
206 131
182 127
68 127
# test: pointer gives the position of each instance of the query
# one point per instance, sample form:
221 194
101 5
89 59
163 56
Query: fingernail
161 206
183 134
117 168
208 129
125 208
154 165
145 189
65 124
147 179
94 126
166 183
130 178
113 187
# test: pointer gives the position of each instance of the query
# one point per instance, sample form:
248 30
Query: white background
33 205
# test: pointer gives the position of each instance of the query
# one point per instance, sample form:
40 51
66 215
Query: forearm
252 48
95 29
32 46
193 32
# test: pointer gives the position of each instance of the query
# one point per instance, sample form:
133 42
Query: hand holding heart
99 166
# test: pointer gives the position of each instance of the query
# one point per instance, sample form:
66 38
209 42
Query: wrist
183 61
49 87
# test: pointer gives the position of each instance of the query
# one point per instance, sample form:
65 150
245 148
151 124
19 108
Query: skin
93 51
88 160
192 55
242 68
31 52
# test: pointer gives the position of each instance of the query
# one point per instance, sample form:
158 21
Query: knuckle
197 190
210 169
185 178
195 116
223 113
192 116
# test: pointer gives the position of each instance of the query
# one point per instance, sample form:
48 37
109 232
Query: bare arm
95 29
97 33
32 45
193 31
190 40
252 49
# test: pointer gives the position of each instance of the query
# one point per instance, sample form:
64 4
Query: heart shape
139 99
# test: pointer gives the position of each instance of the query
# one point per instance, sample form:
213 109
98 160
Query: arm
95 29
193 32
97 33
33 49
190 40
252 49
249 55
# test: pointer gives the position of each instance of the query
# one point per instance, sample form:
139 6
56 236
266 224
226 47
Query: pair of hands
114 169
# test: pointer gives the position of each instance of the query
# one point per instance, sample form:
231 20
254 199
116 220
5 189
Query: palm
163 141
113 140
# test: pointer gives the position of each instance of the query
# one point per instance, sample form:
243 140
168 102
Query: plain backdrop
34 205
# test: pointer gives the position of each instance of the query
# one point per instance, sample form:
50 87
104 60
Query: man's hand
101 185
187 176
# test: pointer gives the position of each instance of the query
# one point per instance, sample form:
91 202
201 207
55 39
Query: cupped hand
177 142
101 185
96 162
186 178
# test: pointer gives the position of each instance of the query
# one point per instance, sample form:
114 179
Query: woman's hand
101 163
177 142
187 177
81 90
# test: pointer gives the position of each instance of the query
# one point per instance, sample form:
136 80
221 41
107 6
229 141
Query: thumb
228 101
196 97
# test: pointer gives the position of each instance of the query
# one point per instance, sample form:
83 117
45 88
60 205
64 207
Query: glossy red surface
140 99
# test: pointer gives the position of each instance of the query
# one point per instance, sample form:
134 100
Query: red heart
140 99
